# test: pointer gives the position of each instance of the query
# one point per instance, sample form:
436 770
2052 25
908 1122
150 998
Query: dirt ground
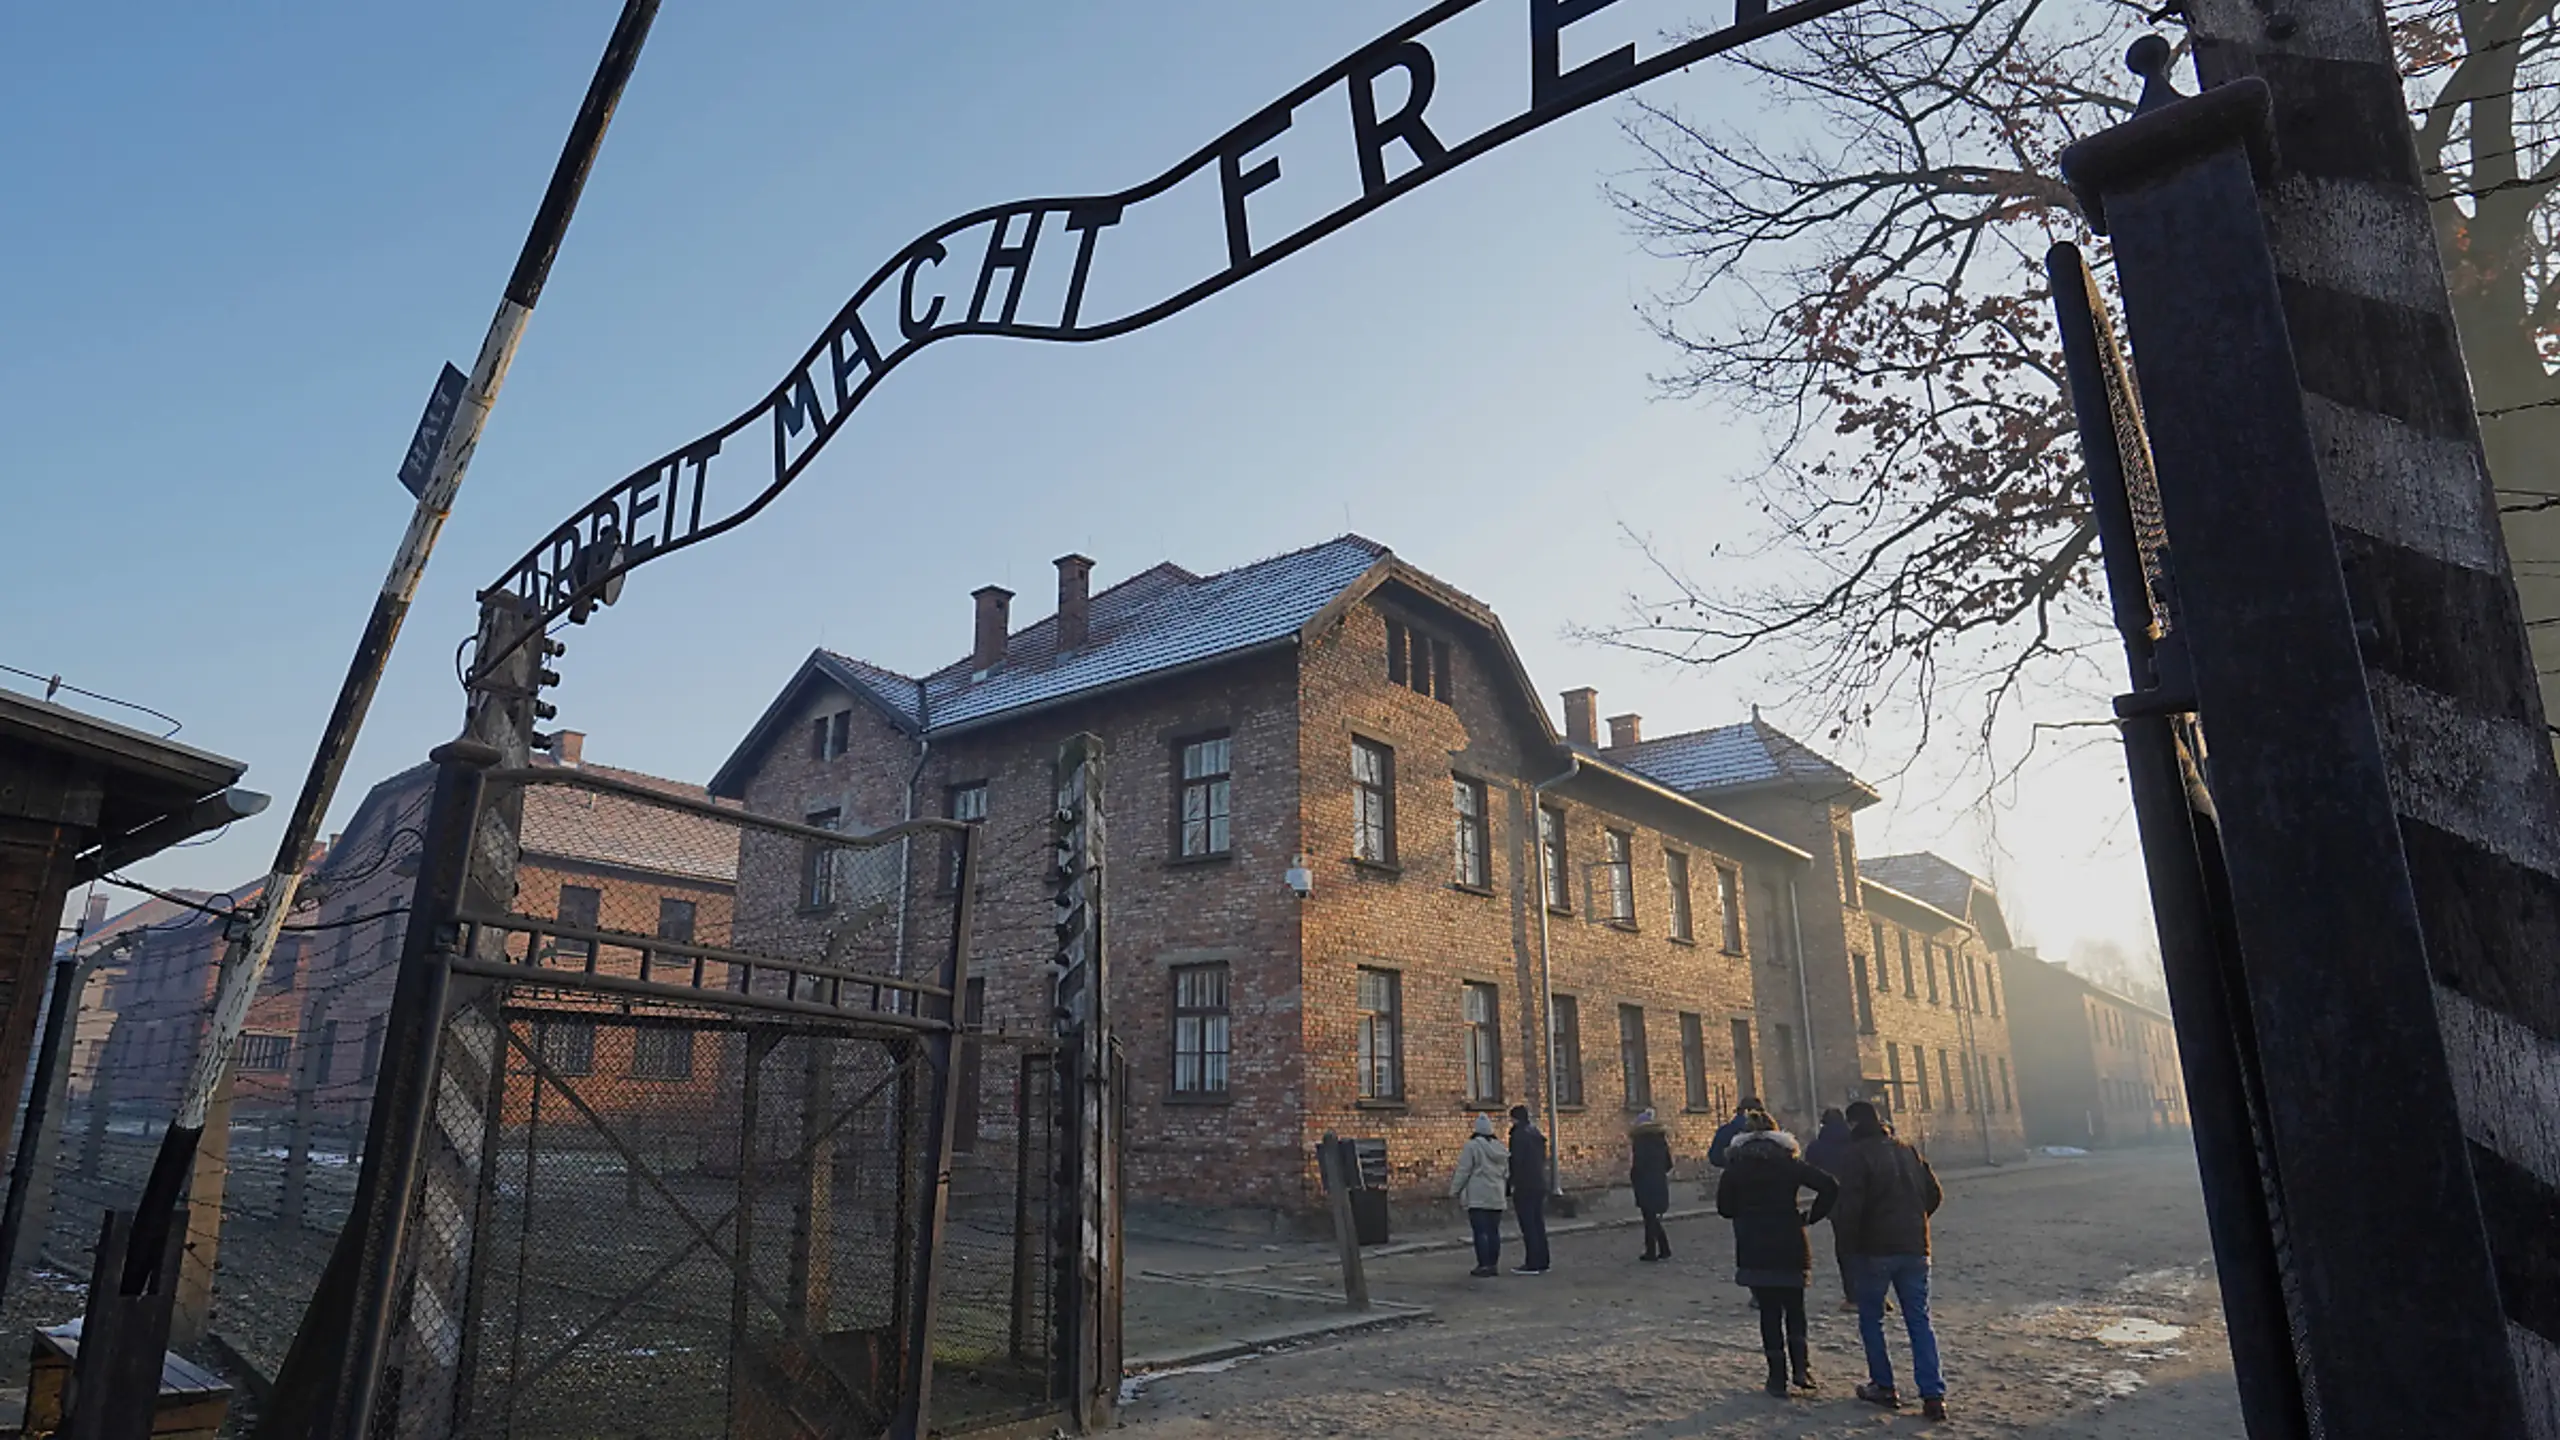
2073 1298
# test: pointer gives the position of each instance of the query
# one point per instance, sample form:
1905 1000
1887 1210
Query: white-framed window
1482 1007
1203 805
1381 1034
1729 901
1467 802
965 802
817 862
1555 858
1675 874
1618 858
1373 802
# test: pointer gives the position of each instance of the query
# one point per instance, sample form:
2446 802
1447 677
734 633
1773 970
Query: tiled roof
1926 878
901 696
567 823
1730 757
1159 620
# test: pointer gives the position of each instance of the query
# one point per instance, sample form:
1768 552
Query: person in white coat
1483 1168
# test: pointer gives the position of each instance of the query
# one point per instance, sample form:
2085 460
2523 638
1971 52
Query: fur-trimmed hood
1779 1138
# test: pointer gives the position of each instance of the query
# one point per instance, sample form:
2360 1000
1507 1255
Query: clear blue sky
239 240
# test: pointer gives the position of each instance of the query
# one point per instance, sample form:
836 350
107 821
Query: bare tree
1872 289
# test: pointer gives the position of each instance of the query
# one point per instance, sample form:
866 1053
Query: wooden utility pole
440 455
2447 665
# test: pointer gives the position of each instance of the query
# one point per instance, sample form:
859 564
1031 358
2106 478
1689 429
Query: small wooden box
193 1400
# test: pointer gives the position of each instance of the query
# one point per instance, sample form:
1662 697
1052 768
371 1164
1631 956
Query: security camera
1302 881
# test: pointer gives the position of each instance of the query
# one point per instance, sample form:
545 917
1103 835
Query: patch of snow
2062 1152
1131 1386
2134 1330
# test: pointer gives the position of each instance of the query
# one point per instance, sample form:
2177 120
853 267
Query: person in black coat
1771 1258
1529 1190
1827 1152
1649 1175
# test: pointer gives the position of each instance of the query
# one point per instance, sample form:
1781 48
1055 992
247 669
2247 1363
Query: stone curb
1255 1341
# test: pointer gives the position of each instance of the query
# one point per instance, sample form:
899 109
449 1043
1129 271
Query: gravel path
2072 1300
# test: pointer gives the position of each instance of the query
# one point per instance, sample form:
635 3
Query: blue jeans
1908 1275
1488 1227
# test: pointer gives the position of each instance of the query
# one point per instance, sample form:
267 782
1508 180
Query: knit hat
1484 1125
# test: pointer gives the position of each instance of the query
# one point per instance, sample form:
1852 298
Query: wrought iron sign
1026 270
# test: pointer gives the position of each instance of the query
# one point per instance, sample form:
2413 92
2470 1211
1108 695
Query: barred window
263 1053
661 1052
569 1046
1200 1030
1381 1038
1206 776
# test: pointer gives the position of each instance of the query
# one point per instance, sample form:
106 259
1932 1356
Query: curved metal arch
582 559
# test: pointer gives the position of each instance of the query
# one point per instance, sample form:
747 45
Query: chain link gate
691 1168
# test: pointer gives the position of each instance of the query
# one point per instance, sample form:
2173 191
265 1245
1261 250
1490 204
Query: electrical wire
55 682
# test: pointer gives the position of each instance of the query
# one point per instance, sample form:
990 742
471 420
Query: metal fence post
404 1087
1081 978
942 1050
2322 909
2215 1051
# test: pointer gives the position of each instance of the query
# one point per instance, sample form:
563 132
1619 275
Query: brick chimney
569 747
1625 730
1580 706
1075 607
96 916
995 622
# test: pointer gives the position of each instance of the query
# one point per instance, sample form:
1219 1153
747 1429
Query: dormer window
1417 661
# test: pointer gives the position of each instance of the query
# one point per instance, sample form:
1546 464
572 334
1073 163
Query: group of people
1877 1192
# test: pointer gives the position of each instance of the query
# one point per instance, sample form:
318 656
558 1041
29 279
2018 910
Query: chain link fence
683 1163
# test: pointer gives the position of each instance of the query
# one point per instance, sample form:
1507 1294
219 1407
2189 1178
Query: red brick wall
1439 937
1951 1125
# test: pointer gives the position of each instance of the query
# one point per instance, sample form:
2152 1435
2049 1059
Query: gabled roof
1750 756
1158 621
1167 619
1943 885
1161 620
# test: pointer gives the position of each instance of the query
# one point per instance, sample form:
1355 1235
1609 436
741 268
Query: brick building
1897 998
1333 709
2098 1068
319 1019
